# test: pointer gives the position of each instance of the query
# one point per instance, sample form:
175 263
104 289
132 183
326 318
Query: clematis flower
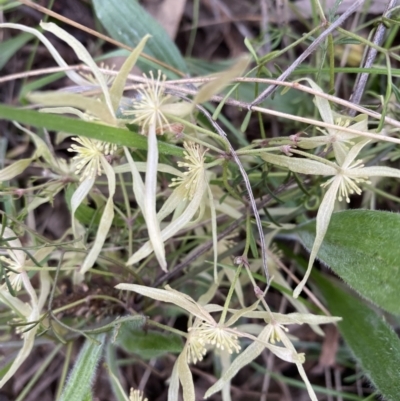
341 141
190 187
206 333
345 180
102 108
91 159
274 332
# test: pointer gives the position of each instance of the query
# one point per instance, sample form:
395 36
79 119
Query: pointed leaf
84 56
373 342
362 247
127 22
148 344
105 221
81 378
14 169
221 80
117 88
101 132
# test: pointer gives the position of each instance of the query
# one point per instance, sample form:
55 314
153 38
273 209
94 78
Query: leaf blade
373 342
361 246
117 17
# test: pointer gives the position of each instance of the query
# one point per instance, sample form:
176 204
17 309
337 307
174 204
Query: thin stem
248 188
314 45
167 328
372 52
128 213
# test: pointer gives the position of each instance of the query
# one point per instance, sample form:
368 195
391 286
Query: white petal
298 165
14 169
72 75
375 171
175 225
185 377
353 152
173 297
118 85
84 56
150 192
173 388
105 221
322 104
78 196
243 359
323 218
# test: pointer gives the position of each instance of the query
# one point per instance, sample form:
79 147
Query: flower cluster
88 161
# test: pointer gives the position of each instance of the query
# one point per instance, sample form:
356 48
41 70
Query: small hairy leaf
81 378
148 344
362 247
372 341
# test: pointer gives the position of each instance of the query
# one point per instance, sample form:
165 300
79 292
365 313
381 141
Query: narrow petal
105 221
221 80
141 166
353 152
323 218
150 192
14 169
28 341
171 203
303 375
185 377
299 165
322 104
173 297
84 56
243 359
286 354
72 75
118 85
90 105
78 196
173 388
137 184
176 225
67 110
375 171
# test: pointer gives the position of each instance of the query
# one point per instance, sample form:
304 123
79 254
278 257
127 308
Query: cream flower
194 163
136 395
346 177
147 108
90 154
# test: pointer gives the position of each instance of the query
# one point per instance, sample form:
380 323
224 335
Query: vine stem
314 45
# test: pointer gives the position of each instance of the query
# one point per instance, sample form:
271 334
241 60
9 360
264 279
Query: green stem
167 328
64 372
128 213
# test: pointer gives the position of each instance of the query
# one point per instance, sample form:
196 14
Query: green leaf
127 22
80 380
362 247
373 342
9 47
101 132
147 344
